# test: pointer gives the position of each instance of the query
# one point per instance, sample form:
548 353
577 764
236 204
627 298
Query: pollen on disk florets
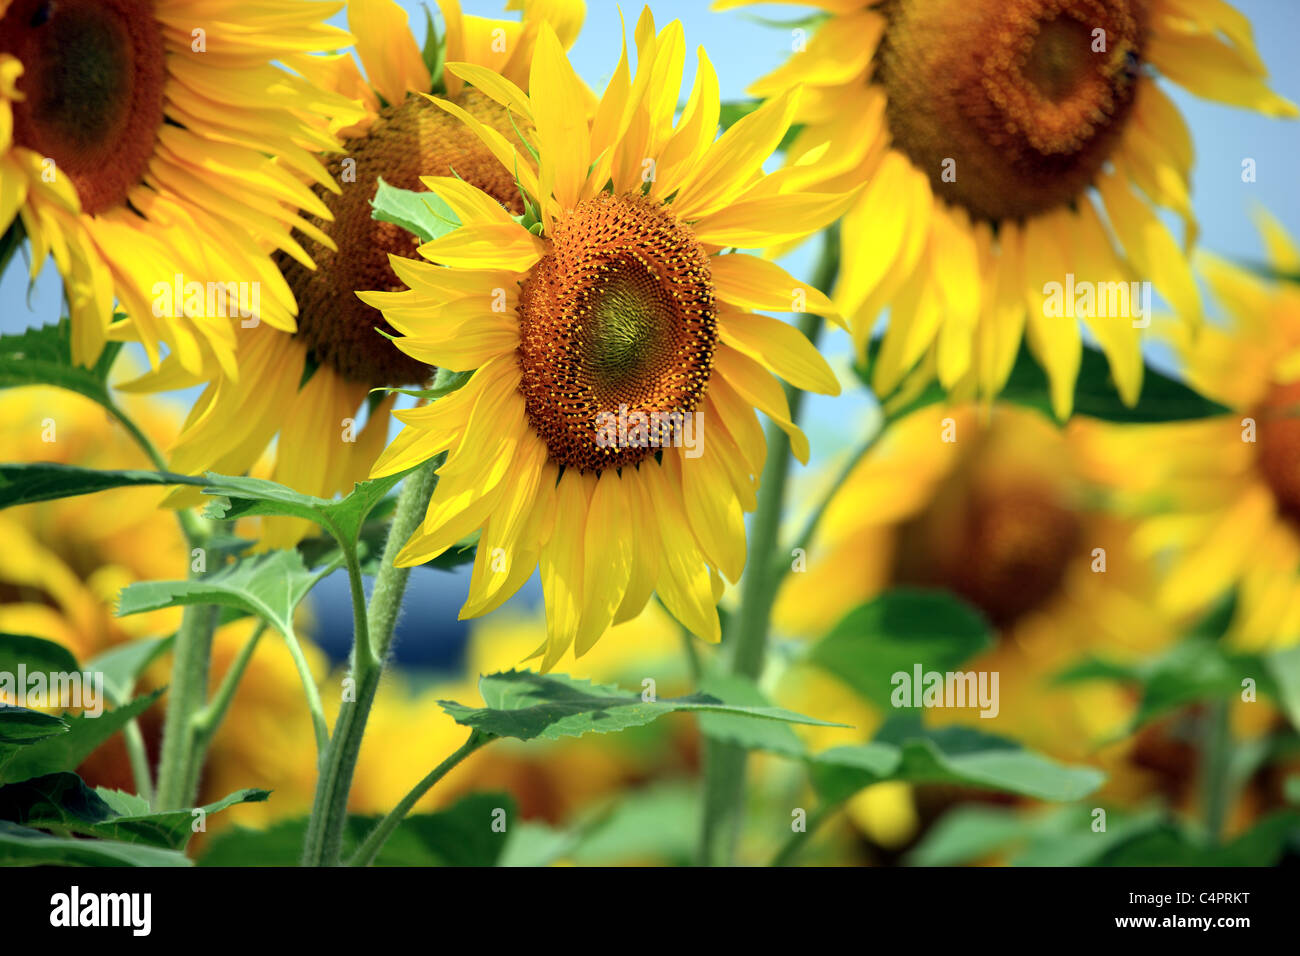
618 318
1011 107
91 90
407 141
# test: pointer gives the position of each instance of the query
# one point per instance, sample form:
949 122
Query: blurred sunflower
64 561
986 131
1220 498
309 386
134 138
1007 517
602 337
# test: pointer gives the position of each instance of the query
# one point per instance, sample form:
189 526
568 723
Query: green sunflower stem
745 646
373 843
373 637
178 770
182 745
1215 781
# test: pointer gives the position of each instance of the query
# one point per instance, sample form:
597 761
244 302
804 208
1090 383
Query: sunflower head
1005 546
405 141
623 374
619 314
1022 121
92 85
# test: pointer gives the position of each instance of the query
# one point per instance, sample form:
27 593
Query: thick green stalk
371 642
178 766
745 646
369 849
1215 783
191 654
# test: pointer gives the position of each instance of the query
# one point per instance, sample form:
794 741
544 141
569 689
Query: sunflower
64 561
608 431
134 137
1001 142
1220 498
310 387
1007 517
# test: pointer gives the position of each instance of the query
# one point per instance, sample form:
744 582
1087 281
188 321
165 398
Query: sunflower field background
853 432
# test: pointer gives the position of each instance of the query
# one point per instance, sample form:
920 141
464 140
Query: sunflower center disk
617 334
93 77
408 140
1011 107
1279 448
1007 549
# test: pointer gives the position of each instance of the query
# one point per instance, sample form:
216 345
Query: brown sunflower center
408 140
1279 447
93 77
617 333
1006 549
1011 107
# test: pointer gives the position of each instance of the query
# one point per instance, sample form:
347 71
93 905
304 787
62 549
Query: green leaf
656 824
1163 399
461 835
733 111
1172 843
62 801
1063 836
897 631
1194 670
21 727
53 800
134 823
433 52
424 213
769 735
269 586
1284 668
526 705
11 240
67 750
458 555
24 484
342 517
123 665
903 750
43 356
34 653
444 383
21 846
972 832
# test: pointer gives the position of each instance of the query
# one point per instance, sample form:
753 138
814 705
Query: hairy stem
369 849
371 643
